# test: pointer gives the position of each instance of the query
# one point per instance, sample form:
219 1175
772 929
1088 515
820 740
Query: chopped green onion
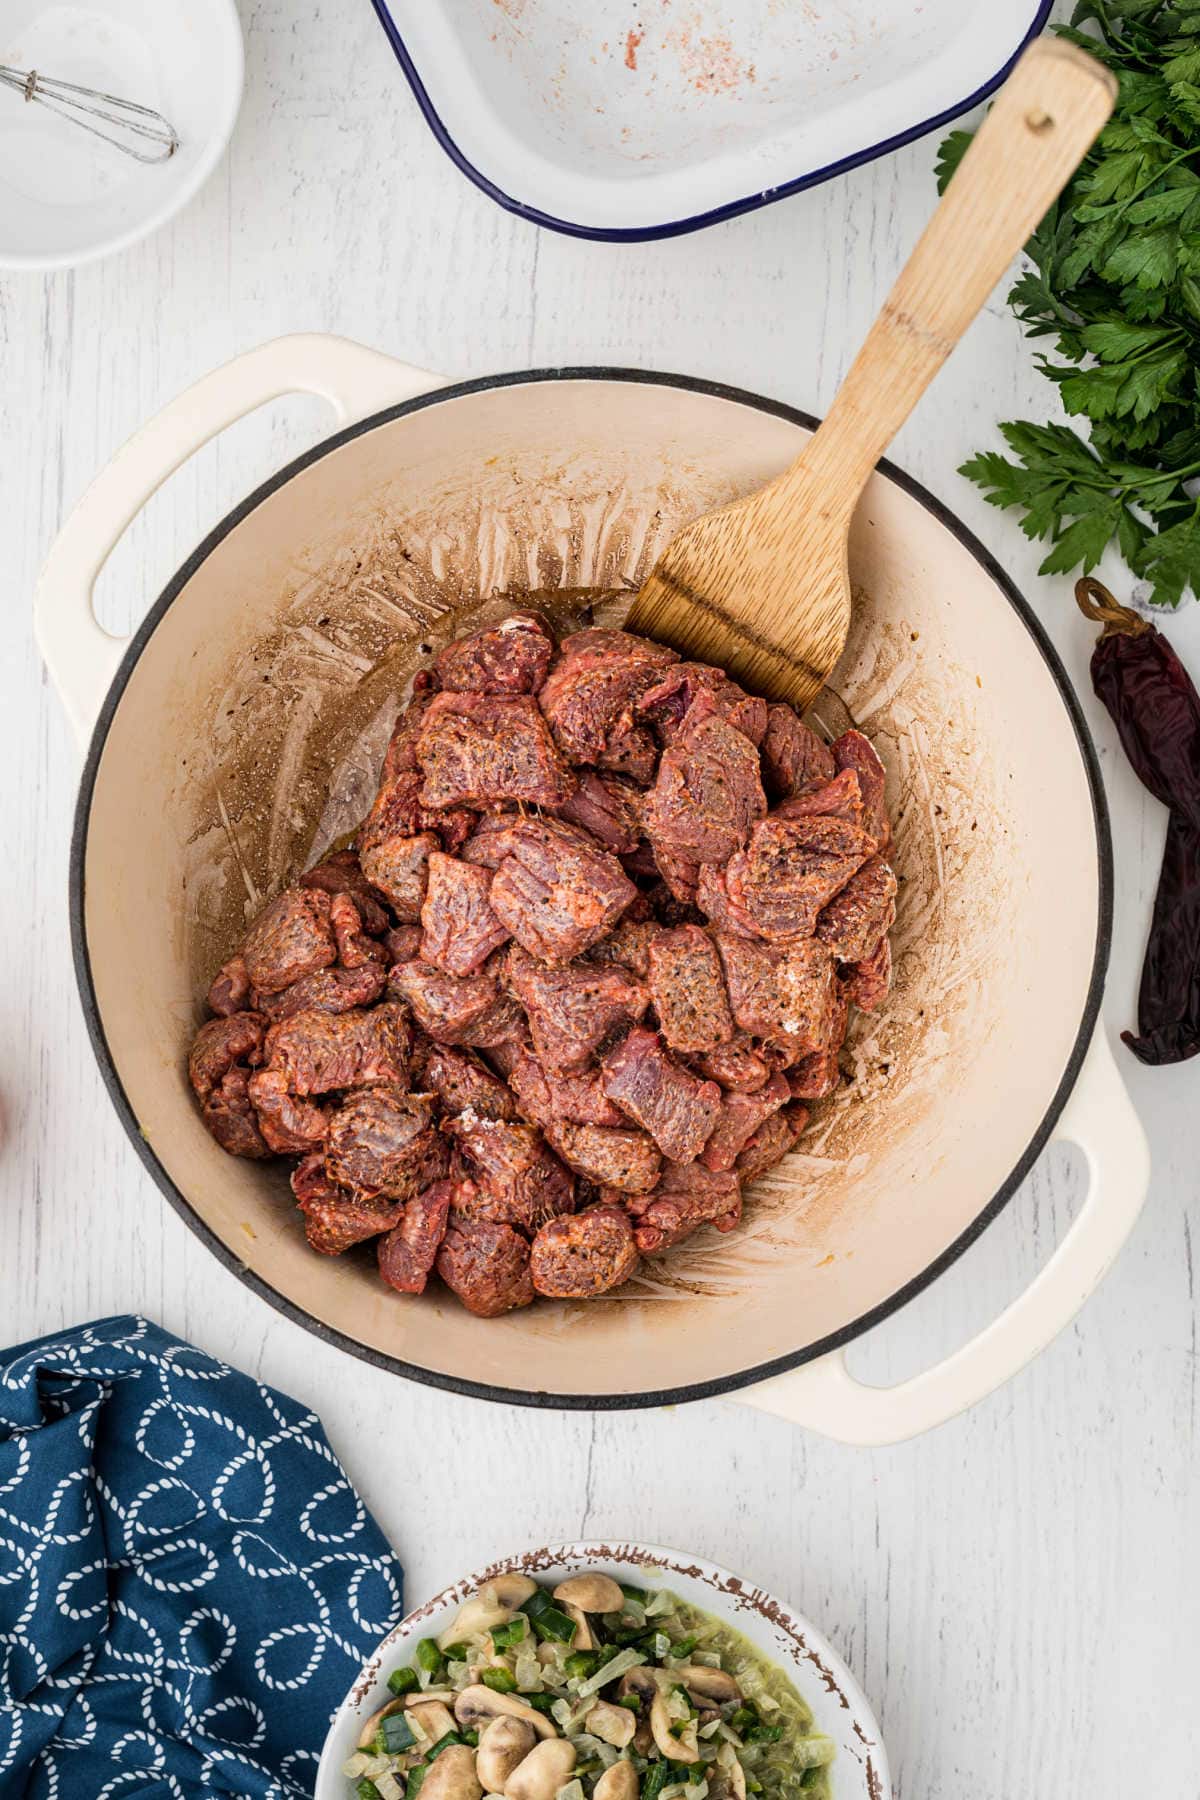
538 1602
443 1743
472 1738
683 1647
507 1637
631 1702
745 1715
428 1656
395 1734
655 1780
581 1663
542 1703
413 1780
366 1790
753 1784
501 1681
457 1652
552 1625
634 1593
764 1734
402 1681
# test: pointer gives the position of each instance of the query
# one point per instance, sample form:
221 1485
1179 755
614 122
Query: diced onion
388 1788
660 1605
620 1664
353 1768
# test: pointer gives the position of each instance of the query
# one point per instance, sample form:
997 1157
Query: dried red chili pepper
1156 711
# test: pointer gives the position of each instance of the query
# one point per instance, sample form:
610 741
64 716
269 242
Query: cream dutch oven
226 748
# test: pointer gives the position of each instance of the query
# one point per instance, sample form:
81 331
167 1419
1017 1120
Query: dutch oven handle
1099 1118
81 656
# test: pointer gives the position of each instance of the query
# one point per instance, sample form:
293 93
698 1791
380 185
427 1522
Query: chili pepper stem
1095 602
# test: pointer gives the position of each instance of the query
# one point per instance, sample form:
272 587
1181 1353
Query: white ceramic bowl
66 198
860 1770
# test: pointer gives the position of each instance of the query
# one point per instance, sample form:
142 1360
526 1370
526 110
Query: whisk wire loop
90 109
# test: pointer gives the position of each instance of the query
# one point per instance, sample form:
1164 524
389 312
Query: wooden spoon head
762 593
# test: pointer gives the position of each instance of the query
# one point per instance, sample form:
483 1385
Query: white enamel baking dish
613 120
225 752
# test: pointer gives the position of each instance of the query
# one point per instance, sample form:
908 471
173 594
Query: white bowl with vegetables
604 1672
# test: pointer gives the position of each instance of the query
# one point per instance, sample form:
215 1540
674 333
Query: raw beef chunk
229 1114
607 807
572 1259
680 874
628 944
708 793
572 1011
557 891
852 751
590 692
839 798
356 948
290 1126
736 1065
334 1219
399 867
402 943
871 980
461 930
740 1117
486 1265
509 658
220 1044
793 757
329 990
771 1143
852 923
230 989
566 1099
462 1084
517 1179
406 1254
790 869
784 996
385 1142
684 1199
291 938
341 873
710 692
319 1051
673 1105
470 1010
476 750
688 989
620 1158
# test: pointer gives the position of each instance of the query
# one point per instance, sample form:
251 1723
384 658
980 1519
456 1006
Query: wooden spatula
762 587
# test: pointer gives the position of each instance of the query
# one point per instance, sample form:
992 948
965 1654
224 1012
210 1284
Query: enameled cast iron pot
227 750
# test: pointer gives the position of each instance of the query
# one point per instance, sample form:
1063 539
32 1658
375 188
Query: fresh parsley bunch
1116 283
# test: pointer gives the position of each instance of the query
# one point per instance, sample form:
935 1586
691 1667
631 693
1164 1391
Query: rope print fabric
188 1582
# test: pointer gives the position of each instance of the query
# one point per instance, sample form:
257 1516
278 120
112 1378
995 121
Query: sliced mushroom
474 1619
615 1724
476 1706
620 1782
727 1781
642 1681
681 1748
367 1735
452 1775
507 1590
583 1639
539 1776
422 1696
713 1685
503 1743
590 1593
433 1719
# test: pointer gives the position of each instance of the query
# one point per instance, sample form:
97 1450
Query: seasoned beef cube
628 944
684 1199
476 750
384 1141
517 1179
737 1065
707 795
503 1057
398 811
871 979
590 692
607 807
486 1265
229 1114
334 1220
563 1099
840 798
291 938
789 870
712 898
620 1158
687 684
673 1105
852 751
356 949
640 862
460 928
407 1253
630 751
793 757
771 1143
230 989
815 1076
329 990
680 874
470 1010
571 1011
401 751
319 1051
853 922
509 658
741 1116
688 989
399 867
572 1259
219 1044
290 1126
557 892
784 996
462 1083
402 943
341 873
496 835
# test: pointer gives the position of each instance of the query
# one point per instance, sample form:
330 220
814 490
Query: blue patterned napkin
188 1582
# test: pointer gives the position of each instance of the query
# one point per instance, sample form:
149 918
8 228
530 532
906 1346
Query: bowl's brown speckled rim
738 1377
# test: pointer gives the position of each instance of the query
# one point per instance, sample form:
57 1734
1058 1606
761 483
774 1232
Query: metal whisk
137 127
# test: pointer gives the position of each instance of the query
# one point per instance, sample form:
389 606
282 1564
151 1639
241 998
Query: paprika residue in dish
1156 710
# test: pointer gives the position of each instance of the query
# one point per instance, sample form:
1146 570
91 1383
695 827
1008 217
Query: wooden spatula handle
1044 120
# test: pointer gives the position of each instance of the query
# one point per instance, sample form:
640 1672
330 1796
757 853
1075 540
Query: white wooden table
1020 1591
